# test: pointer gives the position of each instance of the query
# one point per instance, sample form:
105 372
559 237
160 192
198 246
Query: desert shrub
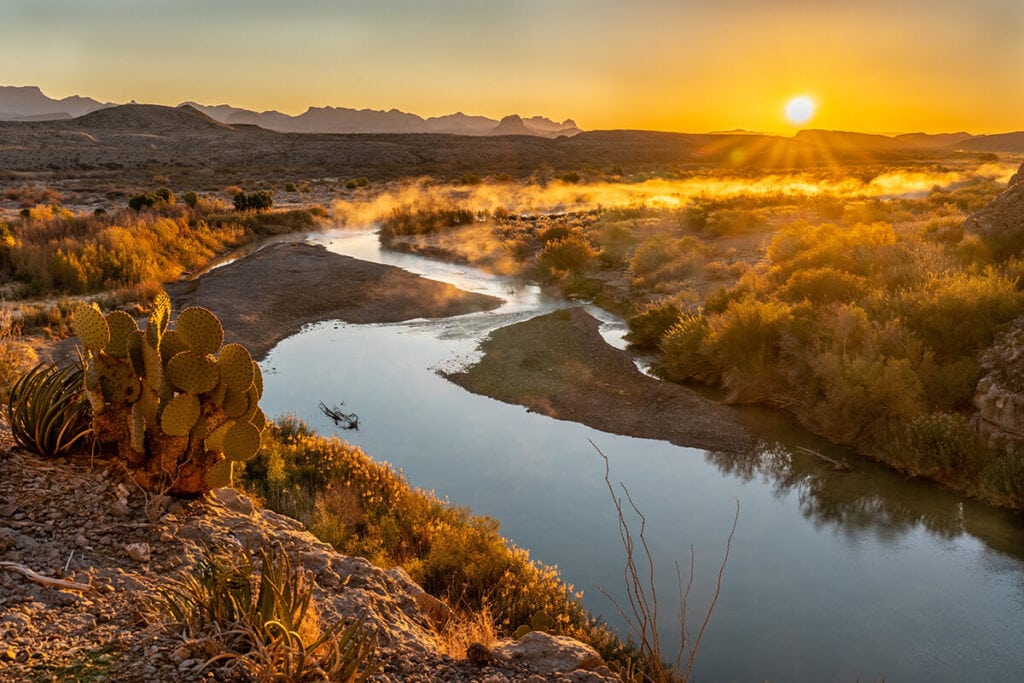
260 200
733 221
863 397
407 220
824 285
191 199
1002 480
16 355
571 254
682 350
558 231
650 323
158 198
351 184
956 314
663 260
290 187
938 445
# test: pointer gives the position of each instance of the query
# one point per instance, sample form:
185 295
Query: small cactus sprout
178 407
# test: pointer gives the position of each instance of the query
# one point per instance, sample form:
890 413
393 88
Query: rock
1000 223
138 551
232 500
479 655
549 654
120 508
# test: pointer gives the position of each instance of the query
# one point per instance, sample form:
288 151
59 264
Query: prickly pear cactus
179 408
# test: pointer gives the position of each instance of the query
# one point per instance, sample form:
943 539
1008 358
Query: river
835 576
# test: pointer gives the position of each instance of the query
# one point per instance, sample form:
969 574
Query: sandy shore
559 365
268 296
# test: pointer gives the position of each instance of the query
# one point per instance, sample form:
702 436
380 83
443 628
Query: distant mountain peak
511 125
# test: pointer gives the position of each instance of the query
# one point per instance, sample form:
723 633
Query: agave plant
48 411
269 631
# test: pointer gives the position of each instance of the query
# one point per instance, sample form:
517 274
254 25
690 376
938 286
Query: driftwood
341 419
44 580
837 465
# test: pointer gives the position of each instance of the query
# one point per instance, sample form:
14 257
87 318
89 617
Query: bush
561 257
648 325
940 446
255 201
191 199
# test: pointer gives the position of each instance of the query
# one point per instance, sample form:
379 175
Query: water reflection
868 499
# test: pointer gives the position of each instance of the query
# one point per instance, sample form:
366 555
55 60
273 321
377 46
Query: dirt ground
559 365
271 294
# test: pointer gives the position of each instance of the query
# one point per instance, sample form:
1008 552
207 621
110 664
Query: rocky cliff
106 550
999 397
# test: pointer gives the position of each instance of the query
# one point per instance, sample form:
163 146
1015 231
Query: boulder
1000 223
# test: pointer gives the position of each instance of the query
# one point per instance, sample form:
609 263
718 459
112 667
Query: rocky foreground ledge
79 523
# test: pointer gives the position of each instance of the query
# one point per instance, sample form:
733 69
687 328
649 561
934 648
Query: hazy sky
873 65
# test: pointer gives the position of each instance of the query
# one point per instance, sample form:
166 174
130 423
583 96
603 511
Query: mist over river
836 576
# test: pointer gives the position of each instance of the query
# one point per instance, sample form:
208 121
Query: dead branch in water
837 465
643 599
341 419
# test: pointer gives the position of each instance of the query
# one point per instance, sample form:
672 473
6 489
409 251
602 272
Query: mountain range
28 103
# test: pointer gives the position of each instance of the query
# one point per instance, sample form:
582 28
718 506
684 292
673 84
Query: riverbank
268 296
559 365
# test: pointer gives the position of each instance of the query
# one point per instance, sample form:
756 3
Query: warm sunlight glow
799 110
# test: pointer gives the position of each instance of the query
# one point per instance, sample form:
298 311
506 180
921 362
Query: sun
800 109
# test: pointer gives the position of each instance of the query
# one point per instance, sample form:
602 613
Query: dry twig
44 580
642 617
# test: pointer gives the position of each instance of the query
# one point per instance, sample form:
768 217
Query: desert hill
148 118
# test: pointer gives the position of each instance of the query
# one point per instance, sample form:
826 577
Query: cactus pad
153 366
117 380
191 372
215 440
241 441
136 340
200 329
170 344
91 327
219 475
148 403
158 319
257 379
121 326
180 415
236 403
235 365
258 419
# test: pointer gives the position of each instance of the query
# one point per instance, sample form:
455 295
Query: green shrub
1002 480
938 445
254 201
191 199
648 326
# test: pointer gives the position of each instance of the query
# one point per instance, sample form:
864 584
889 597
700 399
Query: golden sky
872 66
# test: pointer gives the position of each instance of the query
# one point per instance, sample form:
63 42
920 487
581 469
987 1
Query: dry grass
465 628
